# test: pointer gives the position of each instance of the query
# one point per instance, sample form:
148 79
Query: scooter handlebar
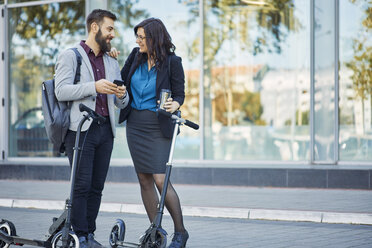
95 116
192 124
186 122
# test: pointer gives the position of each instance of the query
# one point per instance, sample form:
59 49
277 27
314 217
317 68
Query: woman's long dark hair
158 41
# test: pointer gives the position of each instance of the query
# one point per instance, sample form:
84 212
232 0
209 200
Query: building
281 89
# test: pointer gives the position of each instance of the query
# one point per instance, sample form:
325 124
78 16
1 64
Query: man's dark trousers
91 174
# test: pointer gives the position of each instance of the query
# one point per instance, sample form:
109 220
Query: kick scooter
59 234
155 236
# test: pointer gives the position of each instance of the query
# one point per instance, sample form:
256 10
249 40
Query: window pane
183 26
324 76
256 67
36 35
355 80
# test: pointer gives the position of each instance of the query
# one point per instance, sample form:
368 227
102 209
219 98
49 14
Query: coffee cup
164 95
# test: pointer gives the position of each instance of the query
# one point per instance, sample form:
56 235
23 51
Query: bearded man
96 90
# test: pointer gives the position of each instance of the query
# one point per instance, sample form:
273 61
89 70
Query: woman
149 135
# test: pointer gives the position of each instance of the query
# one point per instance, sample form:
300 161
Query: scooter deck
128 244
22 241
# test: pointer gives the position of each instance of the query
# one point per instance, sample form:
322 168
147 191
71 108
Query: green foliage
302 118
35 37
252 108
47 22
38 33
361 63
274 20
233 21
28 82
126 12
128 15
361 66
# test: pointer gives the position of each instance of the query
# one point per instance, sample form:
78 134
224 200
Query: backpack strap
78 58
77 74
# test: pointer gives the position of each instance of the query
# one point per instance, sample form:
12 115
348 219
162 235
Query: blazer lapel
160 76
133 68
110 97
105 64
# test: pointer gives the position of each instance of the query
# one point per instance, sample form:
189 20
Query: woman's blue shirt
143 86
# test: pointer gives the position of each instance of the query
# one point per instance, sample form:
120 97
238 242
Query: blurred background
270 82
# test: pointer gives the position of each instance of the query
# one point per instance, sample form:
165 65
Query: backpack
56 113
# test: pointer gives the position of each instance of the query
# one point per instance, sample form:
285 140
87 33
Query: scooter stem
75 158
168 169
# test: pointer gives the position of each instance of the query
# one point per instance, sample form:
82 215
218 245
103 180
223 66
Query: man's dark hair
97 16
158 41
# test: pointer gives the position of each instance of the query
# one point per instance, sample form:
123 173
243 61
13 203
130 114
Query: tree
46 25
253 108
361 63
36 35
42 31
225 17
231 21
128 16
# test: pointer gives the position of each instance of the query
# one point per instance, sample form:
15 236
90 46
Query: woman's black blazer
173 80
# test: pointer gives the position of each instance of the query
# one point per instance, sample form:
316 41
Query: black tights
150 198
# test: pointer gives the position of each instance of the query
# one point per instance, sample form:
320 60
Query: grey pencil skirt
147 145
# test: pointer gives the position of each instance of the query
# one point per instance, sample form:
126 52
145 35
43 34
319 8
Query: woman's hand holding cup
170 105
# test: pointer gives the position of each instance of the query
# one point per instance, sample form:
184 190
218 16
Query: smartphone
118 82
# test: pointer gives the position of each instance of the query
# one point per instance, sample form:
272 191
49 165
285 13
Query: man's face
105 34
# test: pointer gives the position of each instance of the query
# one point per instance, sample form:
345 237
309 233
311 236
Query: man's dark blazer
173 80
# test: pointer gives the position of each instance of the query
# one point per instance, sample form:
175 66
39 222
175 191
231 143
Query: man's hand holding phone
104 86
121 90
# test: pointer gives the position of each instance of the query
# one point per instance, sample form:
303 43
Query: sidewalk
288 204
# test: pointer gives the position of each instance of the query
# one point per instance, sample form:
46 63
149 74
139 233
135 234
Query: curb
212 212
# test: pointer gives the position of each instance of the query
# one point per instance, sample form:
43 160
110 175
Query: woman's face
141 40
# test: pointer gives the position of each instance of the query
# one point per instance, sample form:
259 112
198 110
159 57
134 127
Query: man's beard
101 41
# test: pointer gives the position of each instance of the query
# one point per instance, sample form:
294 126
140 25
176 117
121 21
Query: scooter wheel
73 240
159 242
8 228
117 233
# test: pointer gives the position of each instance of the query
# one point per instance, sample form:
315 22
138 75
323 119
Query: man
95 90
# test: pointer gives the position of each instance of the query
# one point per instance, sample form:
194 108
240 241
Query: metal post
5 85
337 89
312 80
2 81
201 84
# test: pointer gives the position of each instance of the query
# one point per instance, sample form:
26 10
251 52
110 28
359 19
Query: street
209 232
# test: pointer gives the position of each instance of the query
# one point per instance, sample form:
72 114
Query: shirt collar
88 50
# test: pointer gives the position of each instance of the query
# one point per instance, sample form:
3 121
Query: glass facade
256 80
324 81
183 25
355 81
284 80
36 34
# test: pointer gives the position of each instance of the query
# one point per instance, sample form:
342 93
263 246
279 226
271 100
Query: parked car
29 137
